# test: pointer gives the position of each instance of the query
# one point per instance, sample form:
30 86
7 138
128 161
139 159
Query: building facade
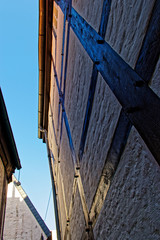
99 89
9 159
22 220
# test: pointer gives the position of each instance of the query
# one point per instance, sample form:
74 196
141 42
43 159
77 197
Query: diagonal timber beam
139 102
88 112
113 157
62 61
66 65
124 126
150 49
73 154
136 83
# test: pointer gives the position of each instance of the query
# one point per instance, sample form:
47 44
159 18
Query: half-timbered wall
103 120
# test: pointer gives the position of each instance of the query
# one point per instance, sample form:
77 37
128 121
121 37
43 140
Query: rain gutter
44 51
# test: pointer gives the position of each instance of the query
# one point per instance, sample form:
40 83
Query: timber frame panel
130 86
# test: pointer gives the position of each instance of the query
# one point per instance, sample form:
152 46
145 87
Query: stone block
90 10
127 25
132 207
105 113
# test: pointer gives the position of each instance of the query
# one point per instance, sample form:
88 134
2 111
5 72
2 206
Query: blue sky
19 84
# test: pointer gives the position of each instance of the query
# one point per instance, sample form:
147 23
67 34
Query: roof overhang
45 44
8 149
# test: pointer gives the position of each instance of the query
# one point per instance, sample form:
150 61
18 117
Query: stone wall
131 207
19 221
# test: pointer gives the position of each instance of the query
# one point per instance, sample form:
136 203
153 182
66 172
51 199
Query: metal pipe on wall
53 187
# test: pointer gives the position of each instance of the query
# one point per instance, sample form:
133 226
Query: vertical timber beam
62 60
102 31
66 60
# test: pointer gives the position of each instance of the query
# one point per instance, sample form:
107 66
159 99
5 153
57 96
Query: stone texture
90 11
20 224
67 167
56 53
52 137
59 42
132 206
127 25
61 206
77 87
77 224
102 124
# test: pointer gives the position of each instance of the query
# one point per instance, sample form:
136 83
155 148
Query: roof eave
45 40
8 137
41 52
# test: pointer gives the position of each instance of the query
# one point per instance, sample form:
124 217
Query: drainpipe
53 187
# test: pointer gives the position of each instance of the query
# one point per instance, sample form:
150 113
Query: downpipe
53 185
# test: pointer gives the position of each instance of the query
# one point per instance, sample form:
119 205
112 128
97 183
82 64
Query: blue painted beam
54 131
124 125
102 31
56 77
73 154
104 17
88 111
62 60
66 62
145 66
150 50
138 101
